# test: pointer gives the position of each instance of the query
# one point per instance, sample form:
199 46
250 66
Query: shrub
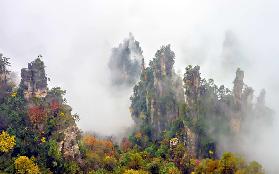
24 165
7 142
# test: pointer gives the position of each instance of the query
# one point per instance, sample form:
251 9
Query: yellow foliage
142 116
107 158
62 114
24 165
14 94
7 142
174 170
43 140
131 171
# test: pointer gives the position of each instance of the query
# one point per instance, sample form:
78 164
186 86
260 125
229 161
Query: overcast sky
76 37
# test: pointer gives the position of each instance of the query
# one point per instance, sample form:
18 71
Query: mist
76 38
125 63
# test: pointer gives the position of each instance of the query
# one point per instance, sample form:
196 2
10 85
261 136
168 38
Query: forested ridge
179 121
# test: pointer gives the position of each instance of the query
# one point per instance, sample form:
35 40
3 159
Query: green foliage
53 150
169 168
162 151
57 91
133 160
151 150
71 167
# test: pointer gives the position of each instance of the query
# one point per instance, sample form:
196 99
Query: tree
36 114
98 153
228 163
132 160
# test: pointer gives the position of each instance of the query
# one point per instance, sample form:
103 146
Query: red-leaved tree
36 114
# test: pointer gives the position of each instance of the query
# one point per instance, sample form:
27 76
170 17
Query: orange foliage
36 114
101 147
89 140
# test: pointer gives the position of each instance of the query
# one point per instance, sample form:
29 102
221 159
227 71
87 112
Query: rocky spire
163 62
241 98
34 80
125 62
192 81
5 86
4 62
238 87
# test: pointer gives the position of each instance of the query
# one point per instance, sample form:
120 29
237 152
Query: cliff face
69 145
190 141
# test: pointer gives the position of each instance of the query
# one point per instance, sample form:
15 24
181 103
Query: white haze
76 37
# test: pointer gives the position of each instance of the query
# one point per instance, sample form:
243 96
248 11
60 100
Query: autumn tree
99 152
228 163
36 114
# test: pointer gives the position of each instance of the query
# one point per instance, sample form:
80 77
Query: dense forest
178 121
